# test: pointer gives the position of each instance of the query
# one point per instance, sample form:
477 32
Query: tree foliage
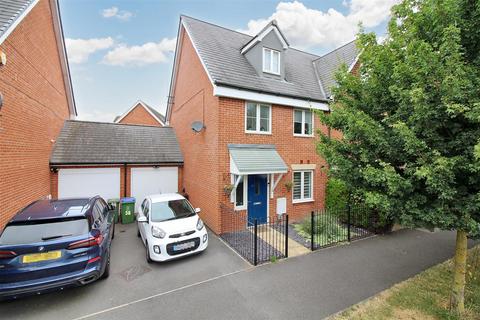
410 118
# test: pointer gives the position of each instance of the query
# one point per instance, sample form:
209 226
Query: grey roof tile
220 50
10 10
328 64
83 142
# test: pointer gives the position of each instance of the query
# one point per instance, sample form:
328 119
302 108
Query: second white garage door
147 181
88 182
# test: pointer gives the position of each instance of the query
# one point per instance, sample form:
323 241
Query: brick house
37 98
141 113
242 108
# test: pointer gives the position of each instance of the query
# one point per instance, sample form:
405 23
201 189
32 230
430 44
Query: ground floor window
239 195
302 186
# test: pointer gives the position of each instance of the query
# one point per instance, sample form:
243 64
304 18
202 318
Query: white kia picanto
170 228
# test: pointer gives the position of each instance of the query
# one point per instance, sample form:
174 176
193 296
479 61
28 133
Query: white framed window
302 123
271 61
258 118
239 195
302 186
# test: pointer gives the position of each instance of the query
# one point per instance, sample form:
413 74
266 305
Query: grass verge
425 296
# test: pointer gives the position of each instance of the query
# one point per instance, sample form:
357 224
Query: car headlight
158 232
199 224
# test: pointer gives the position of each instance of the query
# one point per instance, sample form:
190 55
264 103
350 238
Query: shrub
336 195
327 229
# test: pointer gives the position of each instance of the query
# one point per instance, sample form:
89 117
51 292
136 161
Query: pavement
218 284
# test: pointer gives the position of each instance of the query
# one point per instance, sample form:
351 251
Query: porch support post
275 183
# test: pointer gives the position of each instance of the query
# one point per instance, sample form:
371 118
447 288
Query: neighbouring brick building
141 113
37 99
243 110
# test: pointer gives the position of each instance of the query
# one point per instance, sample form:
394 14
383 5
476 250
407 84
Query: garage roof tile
84 142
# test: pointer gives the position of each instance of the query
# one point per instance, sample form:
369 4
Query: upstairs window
271 61
303 123
258 118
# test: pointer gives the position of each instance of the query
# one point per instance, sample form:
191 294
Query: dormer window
271 61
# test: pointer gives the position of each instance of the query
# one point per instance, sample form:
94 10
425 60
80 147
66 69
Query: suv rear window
31 233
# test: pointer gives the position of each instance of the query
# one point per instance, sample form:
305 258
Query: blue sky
122 51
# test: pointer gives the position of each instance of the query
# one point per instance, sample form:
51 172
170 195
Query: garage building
115 160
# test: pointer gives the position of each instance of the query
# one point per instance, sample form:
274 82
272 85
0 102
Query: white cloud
305 27
96 115
79 50
147 53
114 12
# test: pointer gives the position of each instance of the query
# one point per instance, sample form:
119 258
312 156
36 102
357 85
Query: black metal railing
256 242
331 227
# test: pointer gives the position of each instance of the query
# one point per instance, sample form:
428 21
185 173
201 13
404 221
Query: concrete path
277 240
310 286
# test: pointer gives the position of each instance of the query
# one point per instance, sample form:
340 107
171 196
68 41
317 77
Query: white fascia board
139 102
221 91
198 54
60 39
18 20
178 50
262 35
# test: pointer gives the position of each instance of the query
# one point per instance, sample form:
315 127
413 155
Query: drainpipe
125 180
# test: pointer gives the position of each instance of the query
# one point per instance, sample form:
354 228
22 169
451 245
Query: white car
170 228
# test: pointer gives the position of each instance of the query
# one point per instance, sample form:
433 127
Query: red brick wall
139 115
194 101
35 107
292 149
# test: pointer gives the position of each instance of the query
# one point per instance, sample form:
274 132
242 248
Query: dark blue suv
54 244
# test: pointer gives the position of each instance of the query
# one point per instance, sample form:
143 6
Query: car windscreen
43 231
170 210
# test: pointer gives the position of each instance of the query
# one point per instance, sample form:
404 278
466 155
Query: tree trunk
457 299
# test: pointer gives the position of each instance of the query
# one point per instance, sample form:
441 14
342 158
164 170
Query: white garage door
89 182
147 181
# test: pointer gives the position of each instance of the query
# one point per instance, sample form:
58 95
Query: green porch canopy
248 159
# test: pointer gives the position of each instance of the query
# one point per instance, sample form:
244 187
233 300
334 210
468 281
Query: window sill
240 208
271 72
258 132
303 135
303 201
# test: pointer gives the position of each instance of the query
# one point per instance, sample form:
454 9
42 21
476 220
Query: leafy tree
410 122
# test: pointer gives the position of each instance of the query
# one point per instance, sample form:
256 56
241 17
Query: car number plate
44 256
183 246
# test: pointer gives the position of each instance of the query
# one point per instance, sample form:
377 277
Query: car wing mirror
197 210
142 219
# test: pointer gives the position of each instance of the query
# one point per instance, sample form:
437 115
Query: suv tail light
7 254
90 242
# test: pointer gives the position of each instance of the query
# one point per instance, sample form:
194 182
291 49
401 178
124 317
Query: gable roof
220 51
153 112
84 142
272 26
12 12
328 64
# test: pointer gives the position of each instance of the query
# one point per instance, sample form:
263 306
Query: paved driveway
219 285
131 278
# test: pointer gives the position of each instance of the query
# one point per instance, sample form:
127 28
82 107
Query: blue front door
257 199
